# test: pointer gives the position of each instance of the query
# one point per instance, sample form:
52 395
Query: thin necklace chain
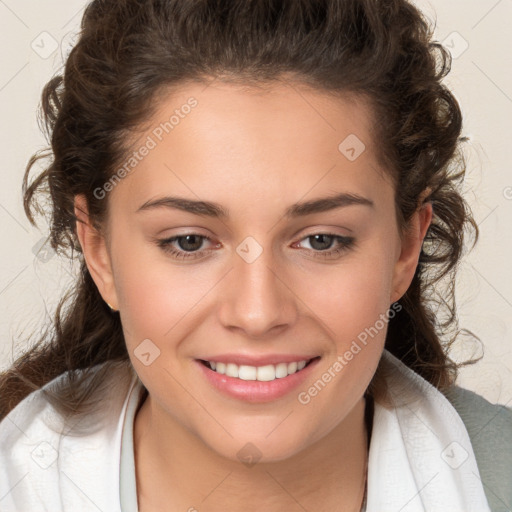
368 420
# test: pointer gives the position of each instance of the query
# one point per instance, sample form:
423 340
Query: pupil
322 237
186 246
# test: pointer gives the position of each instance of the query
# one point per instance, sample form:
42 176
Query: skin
255 152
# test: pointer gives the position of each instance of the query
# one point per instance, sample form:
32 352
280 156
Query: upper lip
258 360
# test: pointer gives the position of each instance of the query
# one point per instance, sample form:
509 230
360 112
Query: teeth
292 367
247 372
232 370
261 373
266 373
281 370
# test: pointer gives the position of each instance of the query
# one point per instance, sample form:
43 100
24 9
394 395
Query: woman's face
286 249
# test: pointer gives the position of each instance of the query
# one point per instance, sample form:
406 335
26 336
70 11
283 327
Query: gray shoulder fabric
490 429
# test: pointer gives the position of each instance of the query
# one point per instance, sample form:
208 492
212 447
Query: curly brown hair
132 52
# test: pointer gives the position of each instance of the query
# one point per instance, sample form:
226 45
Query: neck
179 472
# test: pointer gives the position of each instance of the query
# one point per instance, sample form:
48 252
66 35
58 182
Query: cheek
350 297
352 305
153 294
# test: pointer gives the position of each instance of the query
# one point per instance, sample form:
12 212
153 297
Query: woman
290 359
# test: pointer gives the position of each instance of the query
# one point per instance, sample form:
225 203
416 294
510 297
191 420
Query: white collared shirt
48 463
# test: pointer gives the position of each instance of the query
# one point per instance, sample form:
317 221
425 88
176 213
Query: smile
265 373
256 384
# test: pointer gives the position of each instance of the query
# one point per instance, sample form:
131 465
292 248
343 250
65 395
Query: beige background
36 35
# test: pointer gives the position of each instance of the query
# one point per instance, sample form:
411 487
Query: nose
257 297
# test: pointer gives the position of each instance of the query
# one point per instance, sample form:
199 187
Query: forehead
290 109
278 139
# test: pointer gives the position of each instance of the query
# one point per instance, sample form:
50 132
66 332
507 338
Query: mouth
265 373
256 384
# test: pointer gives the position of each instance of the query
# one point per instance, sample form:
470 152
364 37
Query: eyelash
346 243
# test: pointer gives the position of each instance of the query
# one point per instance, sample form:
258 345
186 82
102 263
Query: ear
95 251
405 267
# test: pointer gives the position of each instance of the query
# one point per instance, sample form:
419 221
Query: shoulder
489 426
47 460
478 411
490 429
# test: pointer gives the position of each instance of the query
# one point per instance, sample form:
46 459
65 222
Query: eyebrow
215 210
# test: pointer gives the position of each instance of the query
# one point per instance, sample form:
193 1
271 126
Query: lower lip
256 391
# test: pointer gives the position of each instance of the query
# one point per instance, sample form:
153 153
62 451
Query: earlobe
406 265
95 251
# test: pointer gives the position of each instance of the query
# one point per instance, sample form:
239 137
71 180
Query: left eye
189 245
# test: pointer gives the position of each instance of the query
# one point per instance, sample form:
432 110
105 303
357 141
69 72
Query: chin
258 448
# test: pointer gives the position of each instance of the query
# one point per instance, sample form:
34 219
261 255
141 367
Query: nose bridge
258 299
